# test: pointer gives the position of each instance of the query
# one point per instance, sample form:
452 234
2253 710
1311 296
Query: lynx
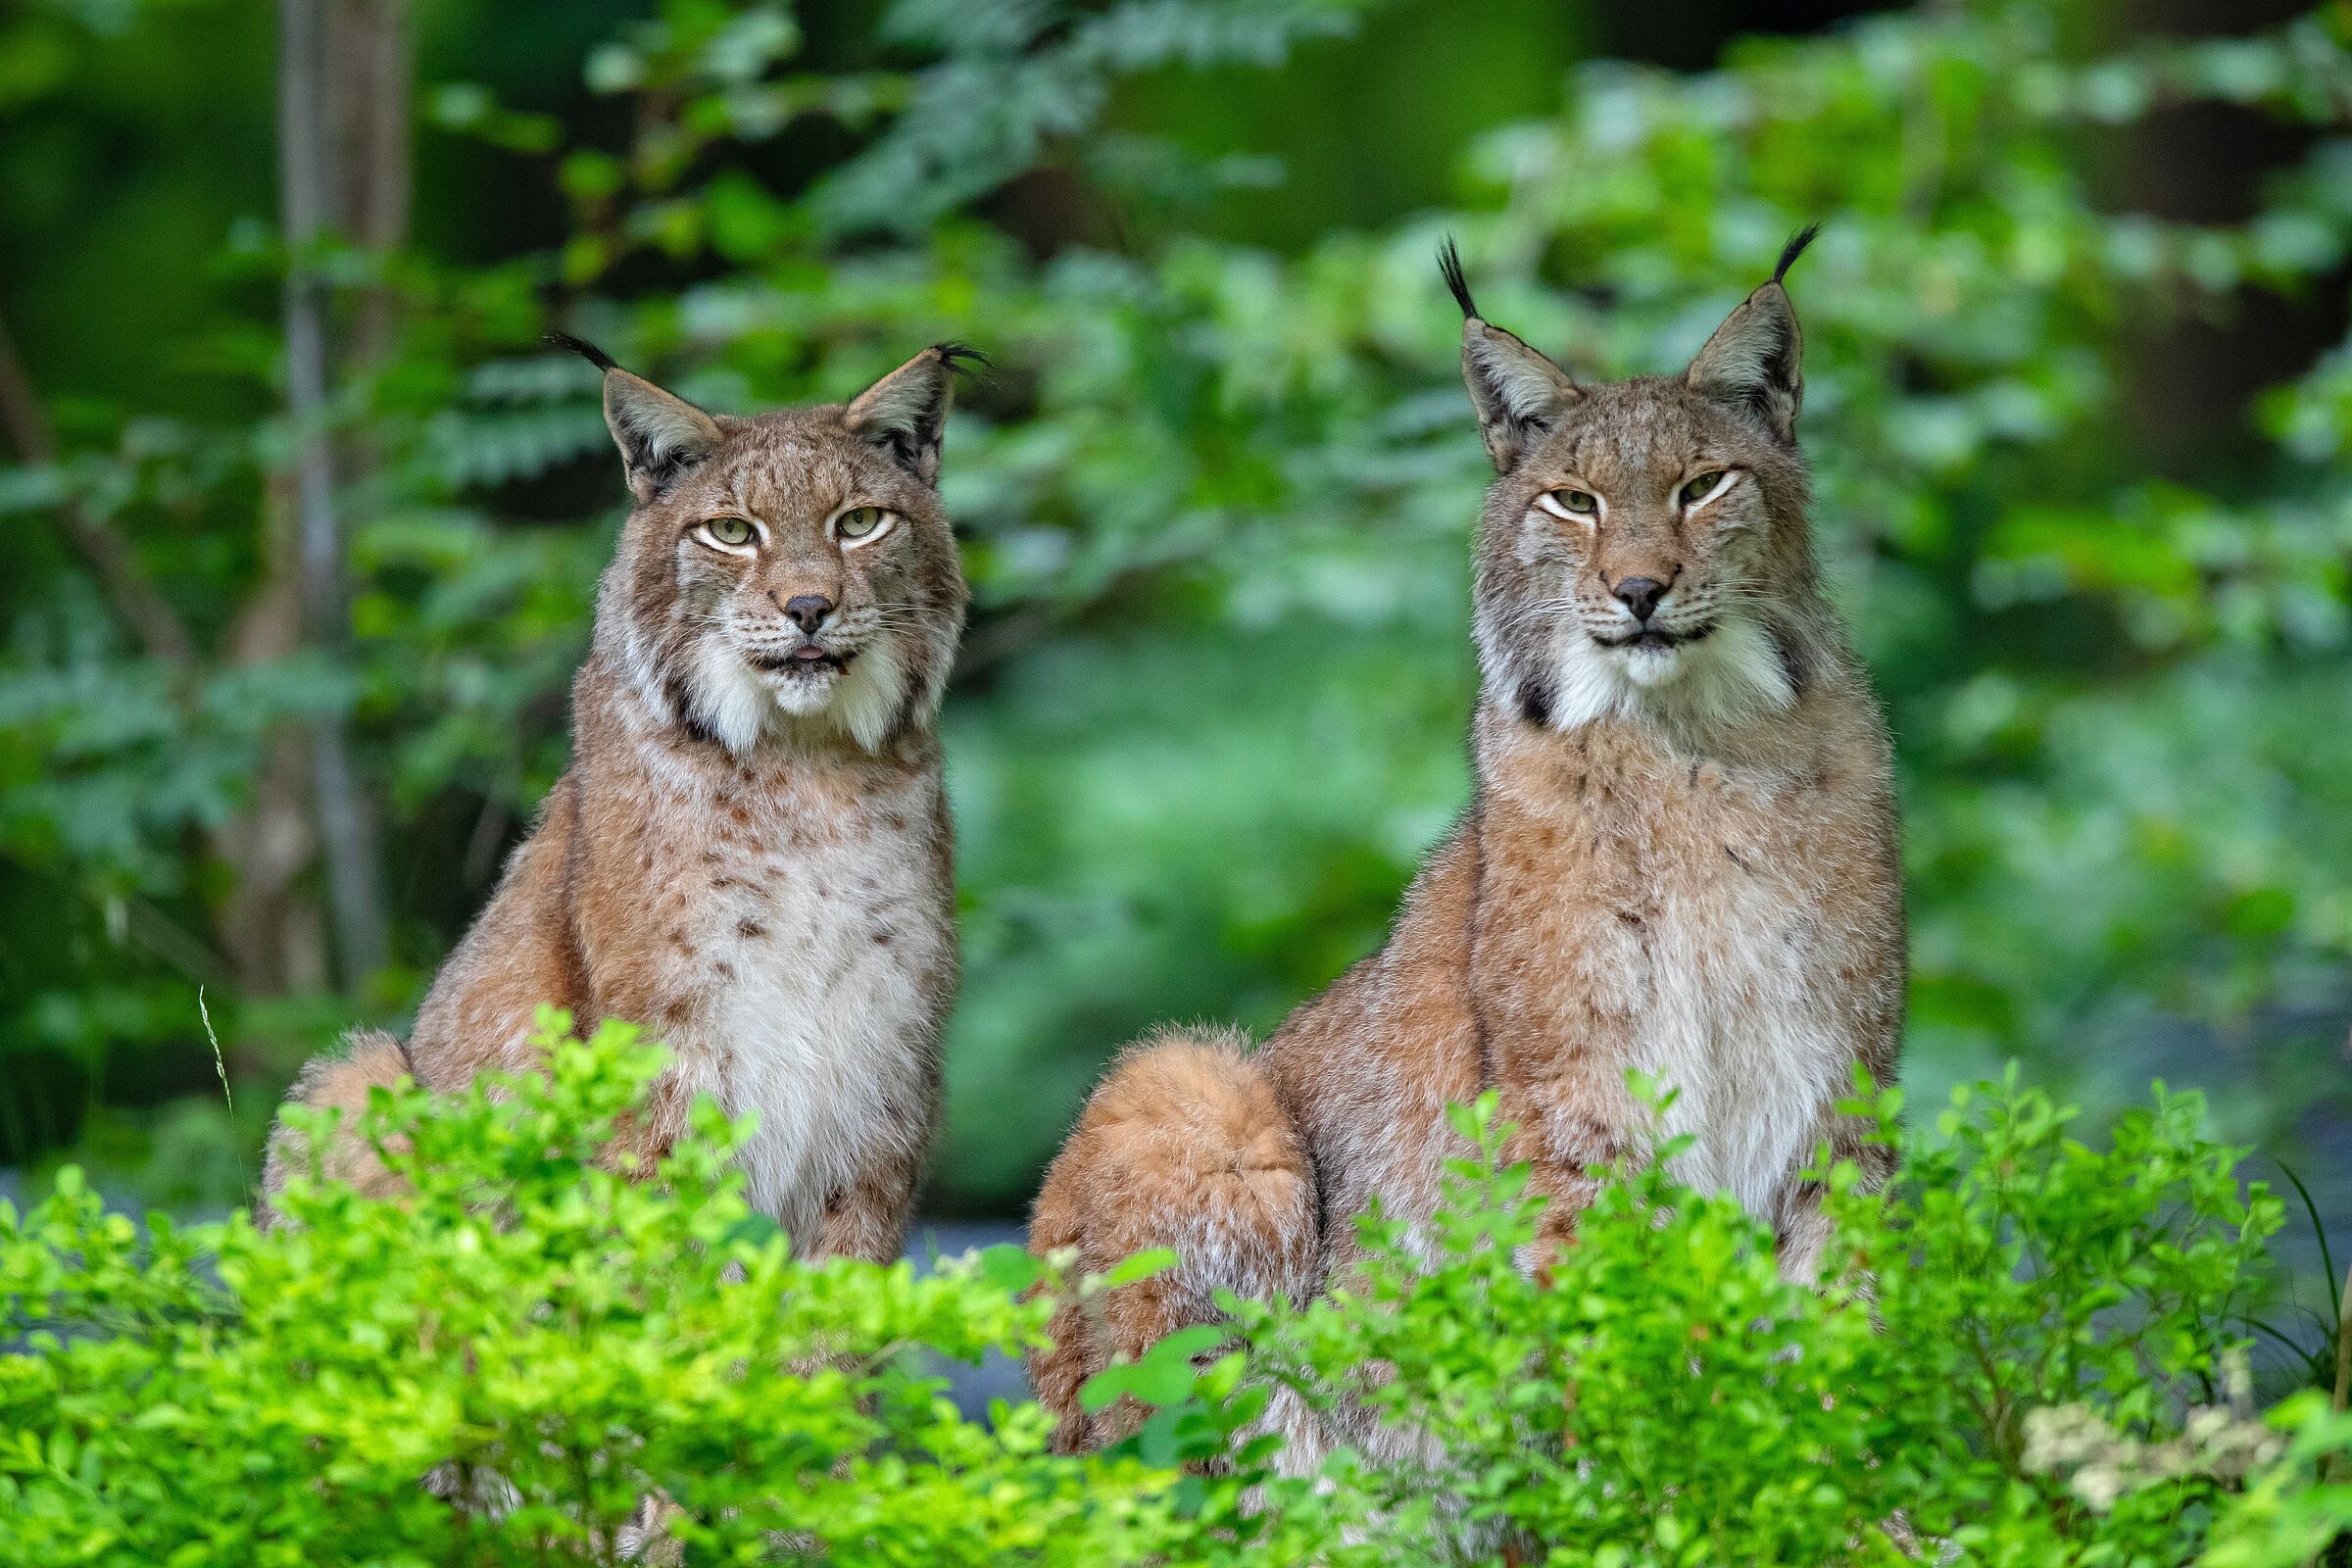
1679 857
750 853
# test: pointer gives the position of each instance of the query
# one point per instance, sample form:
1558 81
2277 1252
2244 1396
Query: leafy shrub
565 1347
552 1338
1669 1399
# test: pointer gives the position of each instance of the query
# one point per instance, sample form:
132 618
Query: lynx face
791 573
1643 547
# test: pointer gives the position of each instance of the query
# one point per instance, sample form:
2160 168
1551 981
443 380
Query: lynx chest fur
795 954
1676 914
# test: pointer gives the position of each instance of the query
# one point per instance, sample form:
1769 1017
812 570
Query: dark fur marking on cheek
1534 703
682 711
1792 662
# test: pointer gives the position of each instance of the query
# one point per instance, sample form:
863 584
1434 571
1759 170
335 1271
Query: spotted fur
751 852
1679 858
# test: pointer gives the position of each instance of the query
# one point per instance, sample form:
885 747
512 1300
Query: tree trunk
305 174
369 90
270 924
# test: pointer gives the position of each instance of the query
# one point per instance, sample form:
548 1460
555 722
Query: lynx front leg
867 1216
1573 1115
1803 1229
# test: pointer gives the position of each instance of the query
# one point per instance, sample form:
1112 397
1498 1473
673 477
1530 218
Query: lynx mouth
1657 639
804 663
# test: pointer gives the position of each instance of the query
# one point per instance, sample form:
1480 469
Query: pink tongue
809 651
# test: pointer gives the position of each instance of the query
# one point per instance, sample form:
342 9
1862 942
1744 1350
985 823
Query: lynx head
789 574
1644 549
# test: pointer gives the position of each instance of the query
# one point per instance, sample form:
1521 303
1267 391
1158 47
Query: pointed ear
1518 392
1753 360
660 435
906 413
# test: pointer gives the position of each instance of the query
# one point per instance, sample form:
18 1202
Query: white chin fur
864 698
744 706
1728 677
802 694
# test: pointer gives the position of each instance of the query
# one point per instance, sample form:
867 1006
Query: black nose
808 610
1641 594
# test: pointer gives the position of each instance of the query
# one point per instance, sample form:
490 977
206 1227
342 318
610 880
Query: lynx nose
1641 594
807 611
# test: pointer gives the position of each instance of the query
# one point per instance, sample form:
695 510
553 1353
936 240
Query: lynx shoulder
751 852
1680 857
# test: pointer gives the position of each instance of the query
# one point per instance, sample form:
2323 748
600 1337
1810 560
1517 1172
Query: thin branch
141 607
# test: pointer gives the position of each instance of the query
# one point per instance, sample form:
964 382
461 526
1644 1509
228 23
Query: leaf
1009 1267
753 1230
1142 1267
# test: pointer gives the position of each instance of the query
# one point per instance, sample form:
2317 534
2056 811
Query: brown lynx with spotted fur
1680 857
750 853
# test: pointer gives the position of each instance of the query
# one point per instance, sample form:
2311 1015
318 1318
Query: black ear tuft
1517 391
1796 248
583 348
1449 266
906 413
956 356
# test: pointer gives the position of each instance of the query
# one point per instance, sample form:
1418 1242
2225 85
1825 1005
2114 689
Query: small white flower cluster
2223 1443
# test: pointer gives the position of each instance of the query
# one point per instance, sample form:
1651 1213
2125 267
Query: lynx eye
733 532
860 524
1705 487
1571 503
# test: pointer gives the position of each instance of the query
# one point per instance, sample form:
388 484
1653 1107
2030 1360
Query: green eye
859 522
1580 503
1700 488
730 530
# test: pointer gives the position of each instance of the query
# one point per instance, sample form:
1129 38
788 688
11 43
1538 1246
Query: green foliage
2023 1353
508 1363
1668 1398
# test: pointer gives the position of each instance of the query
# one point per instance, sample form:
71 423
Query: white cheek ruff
1726 678
727 695
866 700
743 708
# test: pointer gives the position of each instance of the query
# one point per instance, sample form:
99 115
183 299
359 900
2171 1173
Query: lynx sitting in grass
1680 857
750 853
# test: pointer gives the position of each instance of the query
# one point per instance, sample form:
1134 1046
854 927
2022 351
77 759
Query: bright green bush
559 1339
1669 1399
2024 1352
